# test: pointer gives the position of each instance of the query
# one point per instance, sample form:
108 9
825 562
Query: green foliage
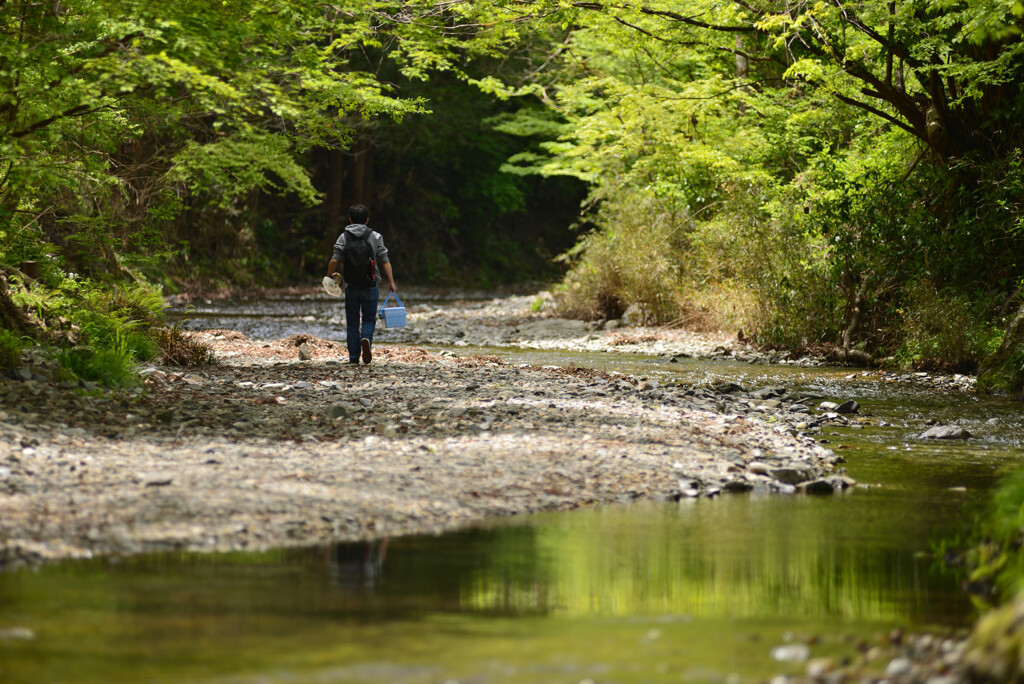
117 115
811 197
11 346
224 169
945 331
115 320
113 365
991 552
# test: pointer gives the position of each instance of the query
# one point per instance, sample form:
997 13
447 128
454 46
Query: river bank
269 450
283 443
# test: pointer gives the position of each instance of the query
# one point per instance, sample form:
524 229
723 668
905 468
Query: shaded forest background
843 179
436 191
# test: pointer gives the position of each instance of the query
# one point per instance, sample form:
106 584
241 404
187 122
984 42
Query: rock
819 667
828 406
945 432
155 479
338 411
898 666
848 407
304 352
738 486
16 634
841 483
759 468
22 374
818 487
791 476
768 393
791 653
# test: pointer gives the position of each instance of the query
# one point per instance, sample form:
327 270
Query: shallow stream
698 591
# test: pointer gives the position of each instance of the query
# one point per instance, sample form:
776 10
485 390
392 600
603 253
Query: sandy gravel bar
267 450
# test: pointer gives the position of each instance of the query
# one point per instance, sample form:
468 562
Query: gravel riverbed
284 444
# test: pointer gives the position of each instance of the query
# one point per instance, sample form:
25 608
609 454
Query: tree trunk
1003 371
11 316
334 199
362 177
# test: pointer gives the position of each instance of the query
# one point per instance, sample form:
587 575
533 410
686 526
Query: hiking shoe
367 356
355 360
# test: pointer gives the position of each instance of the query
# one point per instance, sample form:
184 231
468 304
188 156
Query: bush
637 259
180 348
784 290
122 316
945 331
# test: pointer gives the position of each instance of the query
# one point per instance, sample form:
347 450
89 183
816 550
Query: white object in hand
331 286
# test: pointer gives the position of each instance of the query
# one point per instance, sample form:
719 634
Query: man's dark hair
358 213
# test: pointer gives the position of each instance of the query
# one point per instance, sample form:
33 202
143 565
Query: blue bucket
392 316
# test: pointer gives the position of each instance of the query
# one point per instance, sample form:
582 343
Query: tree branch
78 110
877 112
894 49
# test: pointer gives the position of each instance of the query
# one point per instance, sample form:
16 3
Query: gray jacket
375 240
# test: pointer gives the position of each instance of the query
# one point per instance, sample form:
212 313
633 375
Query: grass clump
11 346
180 348
636 261
114 366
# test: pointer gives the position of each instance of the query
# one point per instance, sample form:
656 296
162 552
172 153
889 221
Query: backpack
357 267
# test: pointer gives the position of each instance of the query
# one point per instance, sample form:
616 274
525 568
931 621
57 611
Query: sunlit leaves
224 169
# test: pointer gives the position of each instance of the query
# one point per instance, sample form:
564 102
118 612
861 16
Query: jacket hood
358 229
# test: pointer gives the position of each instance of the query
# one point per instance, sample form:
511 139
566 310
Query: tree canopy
809 170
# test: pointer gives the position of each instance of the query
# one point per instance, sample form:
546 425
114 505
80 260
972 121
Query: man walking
363 257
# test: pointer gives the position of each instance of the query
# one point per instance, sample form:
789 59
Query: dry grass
181 348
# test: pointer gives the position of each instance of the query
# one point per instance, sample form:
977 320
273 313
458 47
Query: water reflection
582 592
357 566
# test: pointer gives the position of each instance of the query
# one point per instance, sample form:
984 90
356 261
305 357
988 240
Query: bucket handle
390 295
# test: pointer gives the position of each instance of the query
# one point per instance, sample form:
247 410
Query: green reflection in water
647 592
736 557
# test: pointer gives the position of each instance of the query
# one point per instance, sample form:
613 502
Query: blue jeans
359 300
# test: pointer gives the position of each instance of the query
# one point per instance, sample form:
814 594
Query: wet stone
817 487
945 432
791 476
848 407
